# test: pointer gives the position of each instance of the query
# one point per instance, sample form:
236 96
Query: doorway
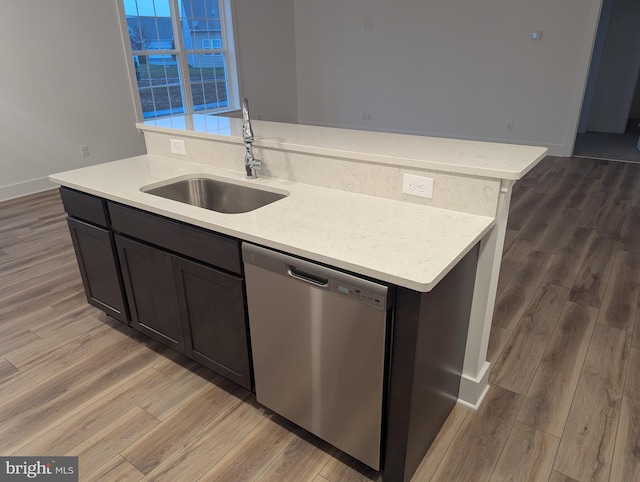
610 117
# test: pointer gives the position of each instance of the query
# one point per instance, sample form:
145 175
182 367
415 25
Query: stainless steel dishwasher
318 341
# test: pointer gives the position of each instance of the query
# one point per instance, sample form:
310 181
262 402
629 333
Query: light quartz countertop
406 244
474 158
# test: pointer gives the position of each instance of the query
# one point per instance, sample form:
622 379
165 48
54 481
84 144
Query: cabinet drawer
84 206
211 248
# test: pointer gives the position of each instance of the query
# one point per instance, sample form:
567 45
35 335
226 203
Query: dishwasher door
318 341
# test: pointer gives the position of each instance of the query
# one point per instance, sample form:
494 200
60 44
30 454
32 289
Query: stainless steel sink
216 195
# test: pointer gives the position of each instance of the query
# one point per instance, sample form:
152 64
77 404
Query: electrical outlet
417 186
178 147
367 116
84 151
509 126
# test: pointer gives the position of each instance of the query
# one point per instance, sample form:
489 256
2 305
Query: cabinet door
98 268
148 279
215 327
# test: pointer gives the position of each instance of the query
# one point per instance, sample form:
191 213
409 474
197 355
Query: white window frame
228 50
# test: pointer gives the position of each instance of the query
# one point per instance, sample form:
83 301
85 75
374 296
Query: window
211 43
182 55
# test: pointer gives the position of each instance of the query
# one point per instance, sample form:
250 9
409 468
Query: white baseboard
23 188
473 390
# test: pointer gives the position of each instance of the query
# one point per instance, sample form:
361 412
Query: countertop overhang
454 156
410 245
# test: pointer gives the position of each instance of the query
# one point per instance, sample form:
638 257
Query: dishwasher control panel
357 293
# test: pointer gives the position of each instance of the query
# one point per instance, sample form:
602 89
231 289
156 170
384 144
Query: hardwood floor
564 404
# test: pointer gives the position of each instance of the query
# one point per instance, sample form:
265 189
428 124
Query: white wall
64 84
265 45
439 67
446 67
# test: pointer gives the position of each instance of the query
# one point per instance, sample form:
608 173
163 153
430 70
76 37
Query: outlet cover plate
417 186
178 147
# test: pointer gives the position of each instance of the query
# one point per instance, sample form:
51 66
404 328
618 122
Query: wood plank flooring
564 404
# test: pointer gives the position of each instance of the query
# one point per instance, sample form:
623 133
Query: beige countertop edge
432 162
390 246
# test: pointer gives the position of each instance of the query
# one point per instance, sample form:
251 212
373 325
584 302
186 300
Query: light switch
537 35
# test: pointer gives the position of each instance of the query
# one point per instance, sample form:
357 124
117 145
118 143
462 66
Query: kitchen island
469 177
345 209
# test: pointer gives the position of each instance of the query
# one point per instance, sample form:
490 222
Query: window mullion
183 64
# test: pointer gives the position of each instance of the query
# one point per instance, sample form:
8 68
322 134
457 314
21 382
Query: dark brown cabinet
95 252
189 305
213 318
148 279
177 283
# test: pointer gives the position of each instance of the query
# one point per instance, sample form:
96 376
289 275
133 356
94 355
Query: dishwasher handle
321 277
307 277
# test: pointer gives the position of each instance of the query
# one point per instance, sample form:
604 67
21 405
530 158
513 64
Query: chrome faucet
250 162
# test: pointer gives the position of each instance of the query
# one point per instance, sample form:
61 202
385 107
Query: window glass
159 86
149 24
209 87
202 30
182 66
